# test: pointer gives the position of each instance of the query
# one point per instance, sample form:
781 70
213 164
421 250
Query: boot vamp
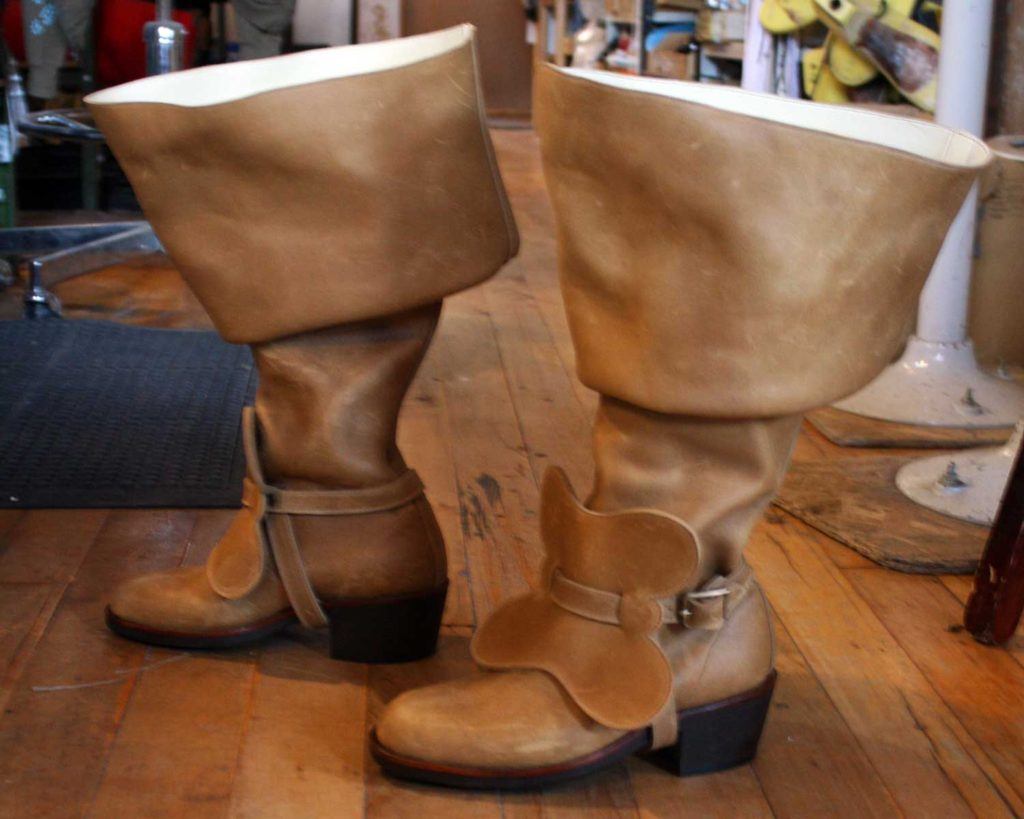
181 600
495 720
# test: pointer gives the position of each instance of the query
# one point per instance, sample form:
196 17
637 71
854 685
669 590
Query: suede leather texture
791 259
326 203
327 405
643 556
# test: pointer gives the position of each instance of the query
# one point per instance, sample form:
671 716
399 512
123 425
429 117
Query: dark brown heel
399 630
718 736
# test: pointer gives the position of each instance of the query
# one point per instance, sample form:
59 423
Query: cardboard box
672 65
721 26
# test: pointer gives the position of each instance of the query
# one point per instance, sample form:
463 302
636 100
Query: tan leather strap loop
398 492
280 504
251 447
594 604
402 490
704 608
292 571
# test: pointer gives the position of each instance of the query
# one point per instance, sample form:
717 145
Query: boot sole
712 737
379 631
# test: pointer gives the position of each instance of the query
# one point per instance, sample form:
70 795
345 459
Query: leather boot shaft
328 400
717 475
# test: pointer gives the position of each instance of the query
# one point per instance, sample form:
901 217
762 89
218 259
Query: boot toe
506 720
181 601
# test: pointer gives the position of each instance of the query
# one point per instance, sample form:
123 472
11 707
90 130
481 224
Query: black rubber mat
100 414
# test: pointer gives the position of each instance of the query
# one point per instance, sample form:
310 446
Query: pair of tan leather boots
728 261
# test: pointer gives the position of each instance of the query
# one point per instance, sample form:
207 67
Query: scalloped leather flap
236 565
616 674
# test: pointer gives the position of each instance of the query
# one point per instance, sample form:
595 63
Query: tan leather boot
728 261
321 206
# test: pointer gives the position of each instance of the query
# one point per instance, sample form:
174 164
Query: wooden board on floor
847 429
855 501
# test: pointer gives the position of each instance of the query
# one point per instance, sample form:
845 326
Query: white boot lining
227 82
925 139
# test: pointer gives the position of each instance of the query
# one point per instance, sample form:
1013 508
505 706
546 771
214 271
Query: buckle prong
685 611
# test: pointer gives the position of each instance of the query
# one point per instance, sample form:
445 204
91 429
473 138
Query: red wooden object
997 601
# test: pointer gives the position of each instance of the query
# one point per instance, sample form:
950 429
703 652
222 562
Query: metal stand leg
73 251
40 303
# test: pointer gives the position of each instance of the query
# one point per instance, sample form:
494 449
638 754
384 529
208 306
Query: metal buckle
709 594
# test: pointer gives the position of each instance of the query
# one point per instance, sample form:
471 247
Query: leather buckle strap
280 504
392 495
705 608
402 490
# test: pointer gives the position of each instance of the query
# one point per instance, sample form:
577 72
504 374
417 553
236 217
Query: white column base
967 485
935 384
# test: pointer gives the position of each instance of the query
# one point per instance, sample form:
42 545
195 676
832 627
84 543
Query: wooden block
48 545
21 607
855 500
177 745
847 429
554 424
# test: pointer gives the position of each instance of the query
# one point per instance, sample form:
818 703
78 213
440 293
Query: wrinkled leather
716 474
791 259
328 404
328 400
320 204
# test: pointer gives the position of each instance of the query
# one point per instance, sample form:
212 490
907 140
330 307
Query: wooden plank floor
884 706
